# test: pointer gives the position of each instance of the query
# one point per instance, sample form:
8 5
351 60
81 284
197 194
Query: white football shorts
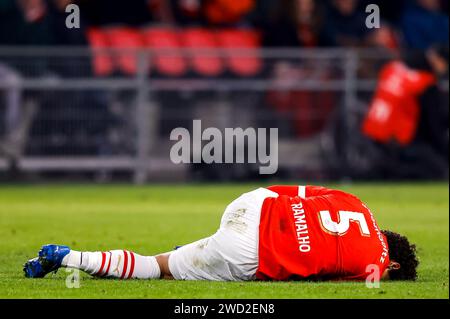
231 254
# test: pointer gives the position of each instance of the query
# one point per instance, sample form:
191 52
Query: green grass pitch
153 219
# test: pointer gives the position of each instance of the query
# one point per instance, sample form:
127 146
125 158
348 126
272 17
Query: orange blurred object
172 64
125 38
203 64
227 11
102 61
394 111
240 63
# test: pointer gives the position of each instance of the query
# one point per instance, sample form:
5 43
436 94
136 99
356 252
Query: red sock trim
131 265
99 272
125 264
109 264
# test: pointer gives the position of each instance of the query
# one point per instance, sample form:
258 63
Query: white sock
121 264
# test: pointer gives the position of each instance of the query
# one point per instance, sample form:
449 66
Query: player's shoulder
330 193
315 190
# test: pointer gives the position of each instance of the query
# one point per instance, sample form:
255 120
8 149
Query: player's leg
120 264
231 254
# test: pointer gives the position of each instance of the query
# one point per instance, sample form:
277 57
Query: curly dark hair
401 251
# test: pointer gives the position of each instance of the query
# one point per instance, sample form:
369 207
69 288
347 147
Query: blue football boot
49 259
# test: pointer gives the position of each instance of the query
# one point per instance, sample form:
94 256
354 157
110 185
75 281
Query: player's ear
393 265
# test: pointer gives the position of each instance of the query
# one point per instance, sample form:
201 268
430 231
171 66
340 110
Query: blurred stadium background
98 103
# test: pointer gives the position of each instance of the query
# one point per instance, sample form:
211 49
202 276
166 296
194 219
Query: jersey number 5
341 227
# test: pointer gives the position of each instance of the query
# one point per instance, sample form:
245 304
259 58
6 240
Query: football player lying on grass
274 233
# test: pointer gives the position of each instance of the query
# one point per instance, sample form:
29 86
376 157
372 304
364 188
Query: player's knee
163 262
